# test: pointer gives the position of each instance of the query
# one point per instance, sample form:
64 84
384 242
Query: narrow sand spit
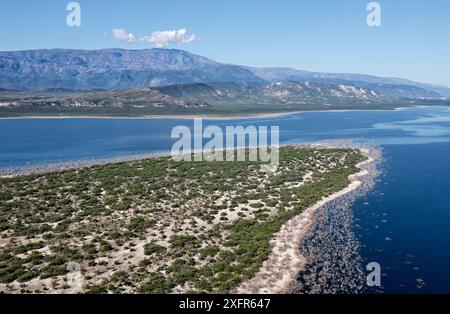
279 272
204 116
167 116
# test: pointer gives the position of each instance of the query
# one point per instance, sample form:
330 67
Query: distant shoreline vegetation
250 111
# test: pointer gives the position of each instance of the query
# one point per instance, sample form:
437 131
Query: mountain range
121 68
159 78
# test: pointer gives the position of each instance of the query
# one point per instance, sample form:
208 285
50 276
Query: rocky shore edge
279 273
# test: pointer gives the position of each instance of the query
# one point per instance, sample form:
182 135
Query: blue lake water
403 223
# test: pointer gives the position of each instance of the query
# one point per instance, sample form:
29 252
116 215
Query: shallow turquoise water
33 141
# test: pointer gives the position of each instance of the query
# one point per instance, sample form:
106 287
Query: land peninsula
160 226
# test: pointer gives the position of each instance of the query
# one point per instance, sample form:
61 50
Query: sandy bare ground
279 272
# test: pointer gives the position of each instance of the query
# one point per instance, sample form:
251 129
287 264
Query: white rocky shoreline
279 273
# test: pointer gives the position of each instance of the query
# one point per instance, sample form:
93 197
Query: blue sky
319 35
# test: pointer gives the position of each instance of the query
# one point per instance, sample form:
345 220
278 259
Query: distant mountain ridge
107 69
112 69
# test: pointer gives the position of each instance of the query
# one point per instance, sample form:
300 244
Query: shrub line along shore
279 272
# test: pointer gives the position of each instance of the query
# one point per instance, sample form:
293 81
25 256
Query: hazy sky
319 35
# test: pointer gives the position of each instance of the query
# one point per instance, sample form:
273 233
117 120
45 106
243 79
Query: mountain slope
370 81
292 93
111 69
130 99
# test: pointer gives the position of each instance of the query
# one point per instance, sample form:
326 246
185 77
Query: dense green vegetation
156 225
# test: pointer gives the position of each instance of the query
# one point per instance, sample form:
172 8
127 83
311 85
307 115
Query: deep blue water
403 223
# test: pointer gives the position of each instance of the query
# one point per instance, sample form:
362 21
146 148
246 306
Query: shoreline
58 166
278 274
165 116
12 172
206 116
